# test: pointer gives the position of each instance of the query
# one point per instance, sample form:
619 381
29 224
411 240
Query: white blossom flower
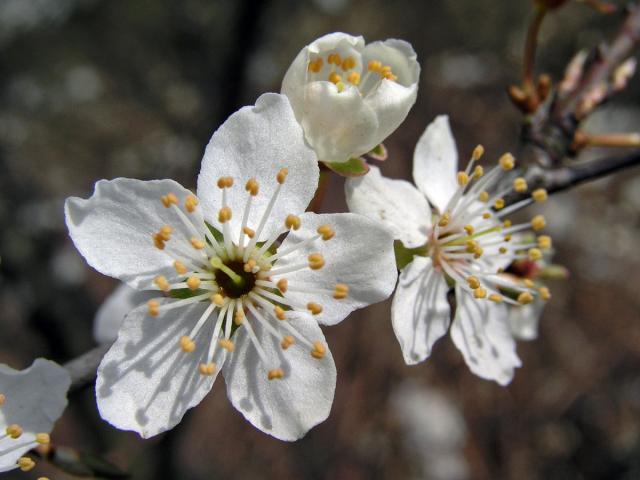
31 401
349 97
237 300
465 242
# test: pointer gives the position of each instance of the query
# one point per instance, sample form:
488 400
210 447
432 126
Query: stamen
341 291
180 267
354 78
494 297
252 186
153 306
187 344
507 162
197 243
316 261
279 313
292 222
316 65
483 197
217 299
478 171
165 233
3 399
498 204
225 182
207 369
287 341
477 153
535 254
539 195
248 232
26 464
348 63
283 285
544 242
169 199
463 178
227 344
520 185
190 203
250 265
538 223
479 293
335 78
334 58
193 283
374 66
545 294
224 215
314 308
444 220
469 229
326 231
473 282
158 241
525 298
238 317
319 350
275 373
162 283
14 431
282 175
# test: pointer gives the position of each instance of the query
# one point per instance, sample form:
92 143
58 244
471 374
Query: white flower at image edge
349 97
465 241
31 401
230 298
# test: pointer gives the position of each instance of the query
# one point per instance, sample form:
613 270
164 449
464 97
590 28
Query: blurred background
93 89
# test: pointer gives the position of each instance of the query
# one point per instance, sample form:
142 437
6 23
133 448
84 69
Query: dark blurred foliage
93 89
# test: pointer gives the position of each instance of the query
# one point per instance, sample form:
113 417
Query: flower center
238 285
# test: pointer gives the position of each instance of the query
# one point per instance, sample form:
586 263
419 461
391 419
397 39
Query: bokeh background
93 89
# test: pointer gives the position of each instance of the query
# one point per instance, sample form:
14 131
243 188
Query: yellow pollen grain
319 350
292 222
180 267
385 70
326 231
165 232
483 197
190 203
389 76
238 317
43 478
478 152
340 291
480 293
26 464
316 261
354 78
498 204
473 282
193 283
186 344
248 232
227 344
169 199
287 341
252 186
348 63
478 171
544 242
535 254
469 229
316 65
503 250
486 215
507 238
224 215
538 223
334 58
540 195
520 185
225 182
14 431
43 439
197 243
463 178
472 246
444 220
279 313
282 175
162 283
478 253
494 297
153 308
334 78
374 66
217 299
507 162
207 369
250 265
545 294
158 241
282 285
3 399
506 223
524 298
314 308
275 374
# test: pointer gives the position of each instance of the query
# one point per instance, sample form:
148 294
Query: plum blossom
465 242
31 401
243 278
349 97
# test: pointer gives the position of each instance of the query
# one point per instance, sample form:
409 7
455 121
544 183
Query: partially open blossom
349 97
232 295
465 242
31 401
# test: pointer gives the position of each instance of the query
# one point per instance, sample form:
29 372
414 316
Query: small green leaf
379 153
354 167
404 255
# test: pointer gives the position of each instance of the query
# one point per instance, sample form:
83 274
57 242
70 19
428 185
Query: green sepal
379 153
354 167
404 255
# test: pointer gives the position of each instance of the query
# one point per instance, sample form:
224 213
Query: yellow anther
190 203
444 220
469 229
165 232
193 283
478 171
473 282
180 267
348 63
507 162
319 350
43 438
498 204
340 291
250 265
483 197
282 285
227 344
477 153
353 78
385 70
486 215
507 238
528 283
248 232
224 215
463 178
154 308
520 185
314 308
494 297
158 241
535 254
539 195
316 261
389 76
292 222
275 374
14 431
169 199
326 231
2 399
162 283
334 58
43 478
538 223
186 344
334 78
480 292
279 313
197 243
207 369
472 246
478 253
26 464
238 317
252 186
545 294
282 175
524 298
316 65
506 223
503 250
217 298
287 341
374 66
544 242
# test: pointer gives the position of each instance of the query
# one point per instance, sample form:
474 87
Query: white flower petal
523 320
113 310
435 163
360 255
146 382
114 228
285 408
395 203
256 142
35 399
420 311
481 332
